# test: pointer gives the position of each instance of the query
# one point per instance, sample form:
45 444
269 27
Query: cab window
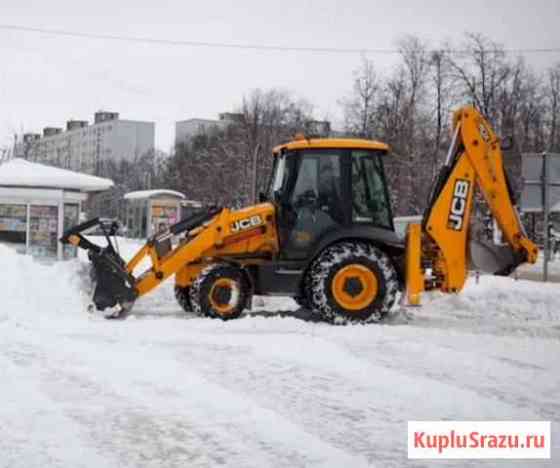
370 203
318 184
278 175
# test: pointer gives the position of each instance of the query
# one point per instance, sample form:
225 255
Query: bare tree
359 106
442 93
414 144
267 119
553 91
415 60
482 69
437 77
216 167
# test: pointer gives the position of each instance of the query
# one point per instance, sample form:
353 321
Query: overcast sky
46 80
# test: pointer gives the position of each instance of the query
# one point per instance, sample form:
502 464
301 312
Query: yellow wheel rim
224 295
354 287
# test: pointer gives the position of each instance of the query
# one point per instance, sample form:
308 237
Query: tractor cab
327 188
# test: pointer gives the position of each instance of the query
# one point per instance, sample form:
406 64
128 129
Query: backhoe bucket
494 259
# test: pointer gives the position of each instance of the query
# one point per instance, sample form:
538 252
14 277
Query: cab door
370 197
315 202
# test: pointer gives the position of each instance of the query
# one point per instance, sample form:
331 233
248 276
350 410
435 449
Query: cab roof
355 143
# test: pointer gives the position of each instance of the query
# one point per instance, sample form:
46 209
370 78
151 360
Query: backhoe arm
442 241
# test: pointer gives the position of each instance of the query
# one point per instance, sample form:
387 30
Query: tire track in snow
518 383
142 419
348 396
35 433
332 409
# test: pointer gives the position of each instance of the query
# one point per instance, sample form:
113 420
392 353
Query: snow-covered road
164 388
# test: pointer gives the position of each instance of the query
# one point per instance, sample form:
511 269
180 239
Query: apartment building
83 147
185 130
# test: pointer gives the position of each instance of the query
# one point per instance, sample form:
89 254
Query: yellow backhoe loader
324 235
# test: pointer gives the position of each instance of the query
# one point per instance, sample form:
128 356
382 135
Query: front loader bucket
114 286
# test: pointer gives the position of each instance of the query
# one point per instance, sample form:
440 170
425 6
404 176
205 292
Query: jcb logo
458 205
246 223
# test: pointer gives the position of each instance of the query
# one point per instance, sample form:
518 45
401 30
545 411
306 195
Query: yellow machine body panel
474 162
448 226
485 155
311 143
413 268
249 233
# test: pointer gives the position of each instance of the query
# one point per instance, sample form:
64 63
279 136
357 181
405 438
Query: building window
13 223
43 230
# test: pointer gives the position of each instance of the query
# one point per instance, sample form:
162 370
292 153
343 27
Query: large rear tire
352 282
220 291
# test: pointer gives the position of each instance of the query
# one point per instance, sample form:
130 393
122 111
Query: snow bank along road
166 389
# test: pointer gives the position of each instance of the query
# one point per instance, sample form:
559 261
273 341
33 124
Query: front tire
220 291
352 282
182 294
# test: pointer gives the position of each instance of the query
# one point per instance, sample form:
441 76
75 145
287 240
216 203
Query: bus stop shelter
150 211
39 202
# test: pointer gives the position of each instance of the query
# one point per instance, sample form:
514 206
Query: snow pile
553 265
494 304
499 305
504 299
32 291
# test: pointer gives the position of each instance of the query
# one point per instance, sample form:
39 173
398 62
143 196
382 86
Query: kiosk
38 202
150 211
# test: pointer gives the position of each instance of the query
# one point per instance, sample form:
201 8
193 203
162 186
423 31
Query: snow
553 264
535 271
164 388
19 172
145 194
